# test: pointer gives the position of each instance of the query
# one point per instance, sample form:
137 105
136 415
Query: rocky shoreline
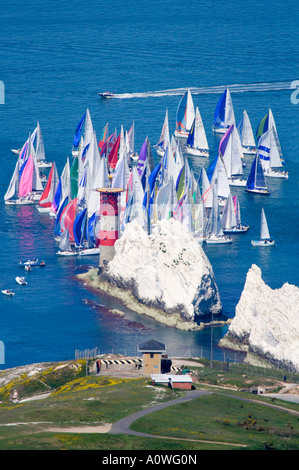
99 283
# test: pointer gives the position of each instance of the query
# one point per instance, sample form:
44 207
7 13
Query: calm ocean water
55 58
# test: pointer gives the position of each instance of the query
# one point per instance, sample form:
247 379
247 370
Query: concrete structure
152 353
183 382
109 223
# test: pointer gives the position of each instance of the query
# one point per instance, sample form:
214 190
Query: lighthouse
109 223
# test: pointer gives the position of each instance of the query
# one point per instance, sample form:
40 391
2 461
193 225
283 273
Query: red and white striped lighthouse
109 223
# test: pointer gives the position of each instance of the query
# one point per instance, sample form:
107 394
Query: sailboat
265 239
197 143
46 199
224 115
230 151
265 124
246 135
65 245
256 181
218 178
40 149
214 233
164 137
185 115
269 155
231 217
83 230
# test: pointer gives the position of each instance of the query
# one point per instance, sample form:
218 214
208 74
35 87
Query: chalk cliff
266 322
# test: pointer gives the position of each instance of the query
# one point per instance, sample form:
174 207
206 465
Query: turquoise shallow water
54 60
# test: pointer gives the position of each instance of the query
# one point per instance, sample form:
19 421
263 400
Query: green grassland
218 421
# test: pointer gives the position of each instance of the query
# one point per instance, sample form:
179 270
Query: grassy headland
216 421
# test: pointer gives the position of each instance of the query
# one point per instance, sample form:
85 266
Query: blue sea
55 57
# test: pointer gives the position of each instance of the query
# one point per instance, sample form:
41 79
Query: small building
152 352
183 382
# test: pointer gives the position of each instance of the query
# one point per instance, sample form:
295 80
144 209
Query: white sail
238 210
65 181
13 187
265 235
130 139
164 140
136 210
214 223
189 111
206 189
122 142
200 219
272 126
36 179
88 133
230 150
200 138
185 115
64 241
220 175
39 148
229 219
275 152
164 201
229 110
246 133
268 151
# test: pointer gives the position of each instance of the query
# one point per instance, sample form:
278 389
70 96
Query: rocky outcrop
166 274
167 269
266 323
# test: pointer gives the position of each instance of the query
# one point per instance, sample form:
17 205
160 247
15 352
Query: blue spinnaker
219 114
77 135
78 228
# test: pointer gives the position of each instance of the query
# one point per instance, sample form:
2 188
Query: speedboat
66 253
217 239
238 229
268 242
8 292
21 281
33 262
106 94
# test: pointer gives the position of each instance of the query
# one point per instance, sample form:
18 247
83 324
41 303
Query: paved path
123 425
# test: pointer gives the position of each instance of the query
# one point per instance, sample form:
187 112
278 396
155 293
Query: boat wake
235 88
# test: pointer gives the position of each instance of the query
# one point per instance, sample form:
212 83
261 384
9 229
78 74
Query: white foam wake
235 88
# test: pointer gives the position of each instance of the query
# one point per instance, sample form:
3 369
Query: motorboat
33 262
66 253
263 242
8 292
106 94
21 281
217 239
